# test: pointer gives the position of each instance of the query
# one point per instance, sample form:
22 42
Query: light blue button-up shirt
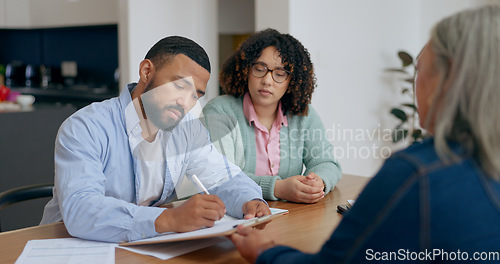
96 176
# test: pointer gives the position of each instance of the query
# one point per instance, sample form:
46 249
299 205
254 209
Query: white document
67 250
169 250
76 250
223 227
219 229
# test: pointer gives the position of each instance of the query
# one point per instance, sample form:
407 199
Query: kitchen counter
96 94
27 156
79 96
11 107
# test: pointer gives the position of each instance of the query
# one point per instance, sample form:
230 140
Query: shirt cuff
143 225
262 200
267 184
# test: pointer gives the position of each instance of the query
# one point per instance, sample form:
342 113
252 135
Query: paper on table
219 229
274 211
223 227
169 250
278 211
67 250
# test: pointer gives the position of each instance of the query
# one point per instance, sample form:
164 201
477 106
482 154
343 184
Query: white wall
27 14
351 43
236 16
432 11
274 14
56 13
143 23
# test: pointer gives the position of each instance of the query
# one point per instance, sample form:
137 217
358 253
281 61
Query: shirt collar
131 117
251 115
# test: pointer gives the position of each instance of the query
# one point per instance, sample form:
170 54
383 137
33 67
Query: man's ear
146 69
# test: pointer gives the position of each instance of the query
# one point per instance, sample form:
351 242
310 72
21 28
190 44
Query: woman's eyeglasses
260 70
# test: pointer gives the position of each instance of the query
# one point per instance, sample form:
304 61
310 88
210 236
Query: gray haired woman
438 200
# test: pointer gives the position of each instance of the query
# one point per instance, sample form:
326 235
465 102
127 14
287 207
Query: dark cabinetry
27 157
72 64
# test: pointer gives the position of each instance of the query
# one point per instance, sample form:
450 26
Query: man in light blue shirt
116 161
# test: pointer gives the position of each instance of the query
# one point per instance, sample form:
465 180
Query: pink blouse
267 143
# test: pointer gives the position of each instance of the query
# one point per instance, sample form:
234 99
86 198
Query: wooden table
306 227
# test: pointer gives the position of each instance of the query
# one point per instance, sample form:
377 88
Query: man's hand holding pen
202 210
199 211
251 209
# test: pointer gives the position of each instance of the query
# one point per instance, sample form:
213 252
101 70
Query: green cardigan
302 143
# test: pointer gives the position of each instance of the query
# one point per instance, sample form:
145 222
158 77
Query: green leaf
410 106
406 58
417 135
400 114
410 80
396 70
399 134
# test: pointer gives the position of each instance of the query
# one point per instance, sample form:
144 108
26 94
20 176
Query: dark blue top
415 208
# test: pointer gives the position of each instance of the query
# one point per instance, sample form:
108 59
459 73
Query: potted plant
406 112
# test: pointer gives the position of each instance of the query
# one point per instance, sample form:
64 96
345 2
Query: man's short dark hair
166 49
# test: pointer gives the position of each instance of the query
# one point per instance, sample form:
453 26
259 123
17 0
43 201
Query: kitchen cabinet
27 14
97 61
27 157
75 97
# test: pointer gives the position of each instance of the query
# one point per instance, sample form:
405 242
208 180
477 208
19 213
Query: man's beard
159 116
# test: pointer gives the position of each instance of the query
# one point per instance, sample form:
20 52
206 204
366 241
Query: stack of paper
67 250
164 246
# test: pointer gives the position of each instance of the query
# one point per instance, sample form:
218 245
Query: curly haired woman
265 123
438 201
